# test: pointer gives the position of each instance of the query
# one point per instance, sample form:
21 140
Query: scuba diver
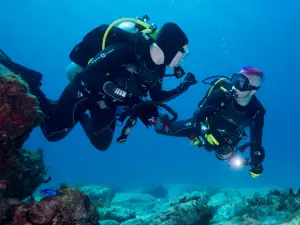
127 68
93 124
221 118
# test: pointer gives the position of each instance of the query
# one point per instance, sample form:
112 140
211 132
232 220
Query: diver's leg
60 116
31 77
100 127
65 114
182 128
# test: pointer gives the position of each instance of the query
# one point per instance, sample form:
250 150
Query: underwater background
225 35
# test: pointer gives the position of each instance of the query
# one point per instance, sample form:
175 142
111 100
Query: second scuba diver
221 118
128 68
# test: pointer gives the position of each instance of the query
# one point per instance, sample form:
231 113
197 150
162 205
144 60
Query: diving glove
257 155
256 170
189 80
147 112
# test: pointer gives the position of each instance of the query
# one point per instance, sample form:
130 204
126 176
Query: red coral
19 110
19 114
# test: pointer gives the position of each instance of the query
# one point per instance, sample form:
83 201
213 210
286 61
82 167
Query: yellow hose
147 26
147 30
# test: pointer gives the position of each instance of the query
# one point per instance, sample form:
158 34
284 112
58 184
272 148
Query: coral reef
70 207
99 195
130 208
21 171
19 113
204 206
25 176
186 212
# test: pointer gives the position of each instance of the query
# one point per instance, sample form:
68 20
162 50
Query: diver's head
174 44
247 82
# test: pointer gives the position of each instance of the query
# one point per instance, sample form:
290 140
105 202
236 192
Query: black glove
147 112
256 170
189 80
179 72
257 155
132 100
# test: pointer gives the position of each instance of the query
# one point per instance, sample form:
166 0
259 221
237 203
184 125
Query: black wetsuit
98 130
131 70
223 113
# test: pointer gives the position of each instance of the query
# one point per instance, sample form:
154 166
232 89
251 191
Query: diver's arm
257 152
181 128
157 94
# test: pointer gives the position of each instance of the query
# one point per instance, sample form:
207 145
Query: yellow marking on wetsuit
223 89
254 175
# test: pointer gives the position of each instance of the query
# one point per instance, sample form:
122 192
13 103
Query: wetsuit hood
142 50
171 39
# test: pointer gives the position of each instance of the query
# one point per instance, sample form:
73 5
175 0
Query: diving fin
31 77
3 56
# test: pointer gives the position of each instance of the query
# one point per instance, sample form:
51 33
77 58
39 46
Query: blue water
224 36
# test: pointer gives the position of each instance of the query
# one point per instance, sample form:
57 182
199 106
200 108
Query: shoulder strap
257 108
216 84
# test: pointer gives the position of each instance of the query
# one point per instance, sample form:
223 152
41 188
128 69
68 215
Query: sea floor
192 205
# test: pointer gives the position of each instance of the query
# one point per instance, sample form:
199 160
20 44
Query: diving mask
185 53
242 83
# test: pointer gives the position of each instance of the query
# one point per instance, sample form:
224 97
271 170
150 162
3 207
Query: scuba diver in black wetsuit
221 118
94 126
128 67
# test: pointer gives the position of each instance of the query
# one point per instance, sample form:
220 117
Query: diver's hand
162 125
256 170
257 155
189 80
132 100
147 112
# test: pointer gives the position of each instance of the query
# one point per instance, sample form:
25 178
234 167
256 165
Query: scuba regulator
151 30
